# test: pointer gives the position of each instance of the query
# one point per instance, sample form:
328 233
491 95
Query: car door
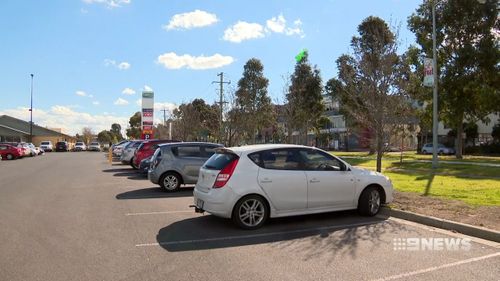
282 179
189 160
329 184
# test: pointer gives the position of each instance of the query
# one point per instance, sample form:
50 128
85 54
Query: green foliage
195 121
495 133
134 131
304 97
468 57
253 103
372 83
116 129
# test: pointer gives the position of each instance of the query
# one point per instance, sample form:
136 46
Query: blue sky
92 58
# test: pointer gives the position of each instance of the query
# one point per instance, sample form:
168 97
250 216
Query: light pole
434 91
31 109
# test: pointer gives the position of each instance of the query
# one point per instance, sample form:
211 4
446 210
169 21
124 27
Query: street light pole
434 92
31 109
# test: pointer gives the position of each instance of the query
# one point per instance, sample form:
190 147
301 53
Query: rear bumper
218 202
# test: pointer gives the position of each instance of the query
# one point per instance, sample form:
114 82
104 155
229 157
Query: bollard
110 156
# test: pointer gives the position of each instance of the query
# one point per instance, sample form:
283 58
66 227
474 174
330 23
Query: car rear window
61 143
219 160
94 143
44 143
79 143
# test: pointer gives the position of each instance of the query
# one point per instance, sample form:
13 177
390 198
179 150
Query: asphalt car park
77 217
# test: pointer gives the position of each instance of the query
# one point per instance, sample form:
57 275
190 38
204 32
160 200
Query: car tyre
369 202
170 182
9 156
251 212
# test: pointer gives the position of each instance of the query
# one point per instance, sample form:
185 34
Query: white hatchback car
249 184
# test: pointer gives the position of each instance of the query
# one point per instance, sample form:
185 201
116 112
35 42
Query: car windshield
44 143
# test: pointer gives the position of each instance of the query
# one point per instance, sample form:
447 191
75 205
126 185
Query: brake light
225 174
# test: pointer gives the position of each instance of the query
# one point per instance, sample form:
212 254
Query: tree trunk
380 152
460 130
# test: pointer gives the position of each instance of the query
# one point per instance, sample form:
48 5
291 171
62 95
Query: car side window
187 151
3 147
316 160
282 159
209 150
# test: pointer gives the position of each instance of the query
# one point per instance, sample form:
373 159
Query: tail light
225 174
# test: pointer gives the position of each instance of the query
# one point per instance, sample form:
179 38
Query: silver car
174 164
127 156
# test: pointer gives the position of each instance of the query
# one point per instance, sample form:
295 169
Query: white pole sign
147 115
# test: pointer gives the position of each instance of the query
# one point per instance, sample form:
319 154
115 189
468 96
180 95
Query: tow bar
196 209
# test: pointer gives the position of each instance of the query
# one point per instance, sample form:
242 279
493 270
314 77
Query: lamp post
31 109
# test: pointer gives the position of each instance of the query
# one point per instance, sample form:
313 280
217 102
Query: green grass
475 185
412 155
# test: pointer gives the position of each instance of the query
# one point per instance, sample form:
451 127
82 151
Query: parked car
179 163
128 152
80 146
147 149
26 149
144 166
62 146
442 149
46 146
117 144
10 152
118 149
94 146
35 150
250 184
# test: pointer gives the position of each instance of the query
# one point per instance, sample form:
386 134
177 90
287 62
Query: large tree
87 135
304 98
196 120
134 131
369 85
116 129
252 101
468 58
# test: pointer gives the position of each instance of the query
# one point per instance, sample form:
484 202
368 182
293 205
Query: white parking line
434 268
160 213
258 235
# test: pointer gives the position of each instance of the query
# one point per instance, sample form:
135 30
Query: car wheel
251 212
170 182
10 156
369 202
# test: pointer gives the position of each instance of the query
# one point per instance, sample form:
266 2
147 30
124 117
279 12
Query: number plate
199 203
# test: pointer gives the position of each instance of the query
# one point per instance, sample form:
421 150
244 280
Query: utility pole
31 110
434 92
221 102
164 116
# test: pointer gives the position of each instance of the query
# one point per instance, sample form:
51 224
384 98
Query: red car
10 152
147 149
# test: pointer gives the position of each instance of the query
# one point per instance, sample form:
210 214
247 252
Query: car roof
260 147
187 143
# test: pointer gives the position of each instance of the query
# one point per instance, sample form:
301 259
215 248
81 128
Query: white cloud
173 61
296 29
128 91
276 24
121 101
81 93
190 20
243 31
69 120
122 65
139 102
108 3
164 105
96 103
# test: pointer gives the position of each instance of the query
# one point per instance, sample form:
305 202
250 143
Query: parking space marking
160 213
434 268
342 226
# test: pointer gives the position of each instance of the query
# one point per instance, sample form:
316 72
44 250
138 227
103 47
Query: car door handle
314 181
266 181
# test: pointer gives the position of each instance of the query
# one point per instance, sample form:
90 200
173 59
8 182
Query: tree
468 53
195 121
116 130
369 85
252 101
105 137
304 98
471 132
87 135
495 133
134 131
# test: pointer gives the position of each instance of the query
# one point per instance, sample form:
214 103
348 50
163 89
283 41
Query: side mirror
343 167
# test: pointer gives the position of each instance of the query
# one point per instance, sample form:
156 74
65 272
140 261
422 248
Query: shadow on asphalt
154 192
332 233
118 170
